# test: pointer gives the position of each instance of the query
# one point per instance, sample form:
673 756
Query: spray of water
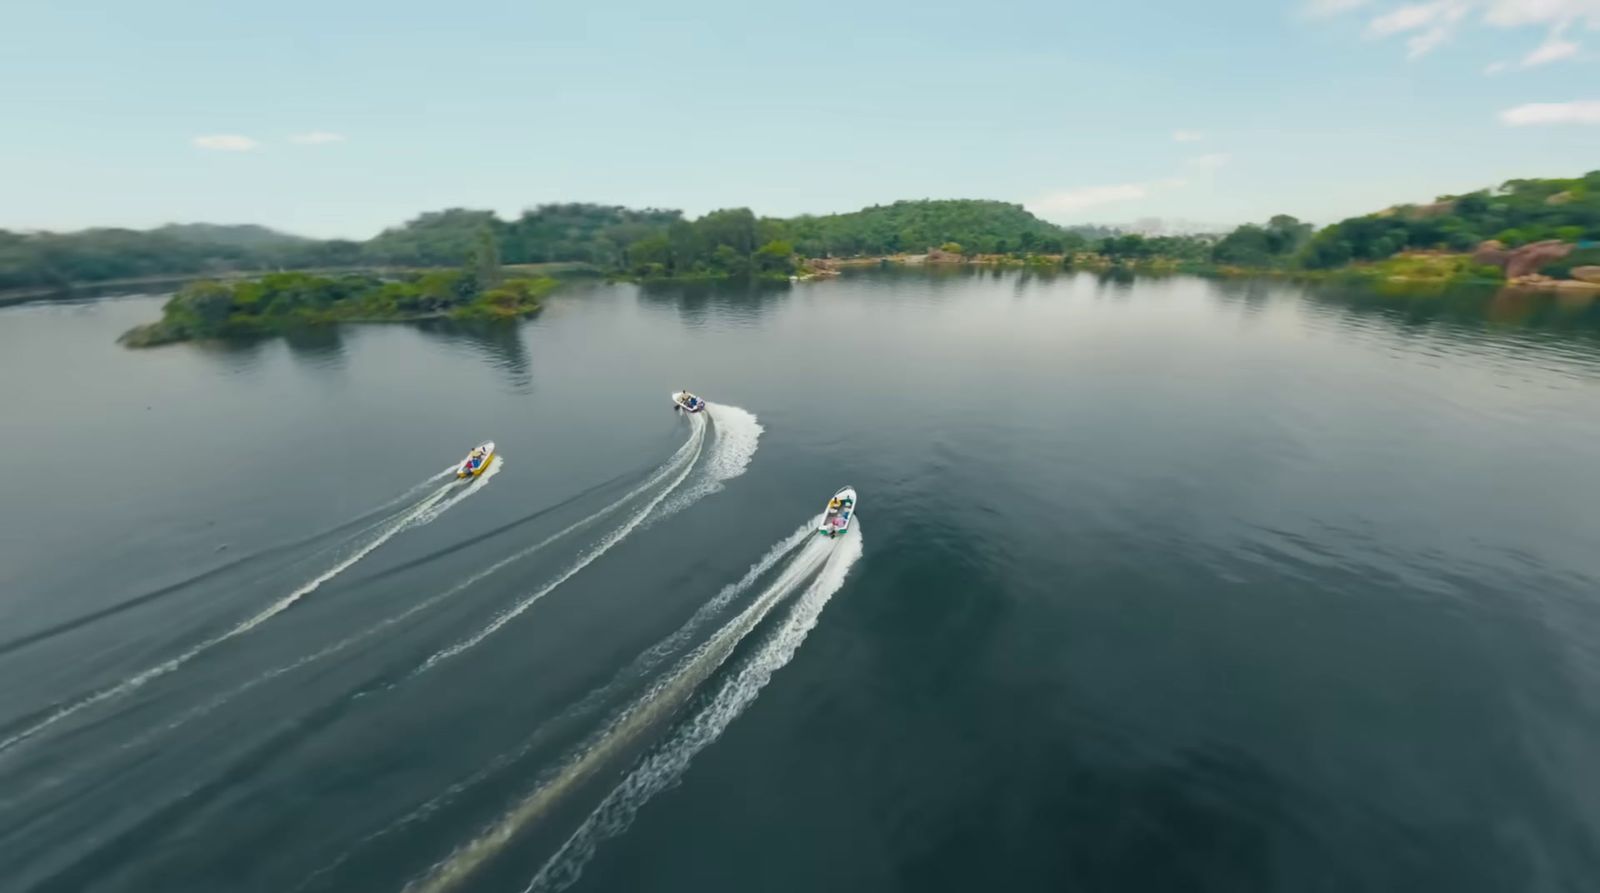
818 559
421 512
663 767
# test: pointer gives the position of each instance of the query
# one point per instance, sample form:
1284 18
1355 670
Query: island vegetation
1528 232
280 302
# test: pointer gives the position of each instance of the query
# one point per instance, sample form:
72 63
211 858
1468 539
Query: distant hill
655 242
242 235
978 225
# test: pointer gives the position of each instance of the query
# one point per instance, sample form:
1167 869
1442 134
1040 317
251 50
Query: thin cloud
1410 18
226 142
1432 23
1088 197
1516 13
1187 136
1553 49
1583 111
1325 8
1210 162
316 137
1436 21
1071 201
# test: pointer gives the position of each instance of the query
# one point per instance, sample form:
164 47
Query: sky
342 118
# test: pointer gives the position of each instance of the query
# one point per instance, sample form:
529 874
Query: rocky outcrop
1587 274
1492 253
1529 258
1524 261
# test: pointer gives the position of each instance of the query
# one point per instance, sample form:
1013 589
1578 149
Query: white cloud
1431 23
1494 68
1427 41
1333 7
1583 111
1514 13
315 137
226 142
1073 200
1187 136
1210 162
1408 18
1552 50
1088 197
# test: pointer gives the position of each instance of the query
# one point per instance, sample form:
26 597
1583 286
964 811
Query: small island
283 302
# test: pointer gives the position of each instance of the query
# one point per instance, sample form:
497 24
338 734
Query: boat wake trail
641 666
737 435
663 767
418 513
695 446
824 563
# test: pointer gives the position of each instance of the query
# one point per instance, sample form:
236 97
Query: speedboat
840 512
688 402
477 461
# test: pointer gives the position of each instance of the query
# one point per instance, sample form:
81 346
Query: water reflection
234 355
1479 309
319 346
497 341
737 301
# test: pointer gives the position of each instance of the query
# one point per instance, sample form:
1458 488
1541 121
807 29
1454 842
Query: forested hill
734 242
984 227
245 235
1517 213
649 241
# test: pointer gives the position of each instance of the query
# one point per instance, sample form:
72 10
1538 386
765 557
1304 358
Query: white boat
840 512
477 461
688 402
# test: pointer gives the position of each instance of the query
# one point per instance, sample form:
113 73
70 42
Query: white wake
696 440
662 768
428 509
643 665
666 695
660 473
737 434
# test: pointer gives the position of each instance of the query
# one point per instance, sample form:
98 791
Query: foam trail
381 625
697 438
642 665
408 518
666 695
478 483
667 764
738 434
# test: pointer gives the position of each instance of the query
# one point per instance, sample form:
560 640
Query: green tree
776 256
486 261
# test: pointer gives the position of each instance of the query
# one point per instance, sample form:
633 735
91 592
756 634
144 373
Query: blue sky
340 118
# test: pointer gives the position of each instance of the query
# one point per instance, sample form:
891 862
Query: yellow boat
477 461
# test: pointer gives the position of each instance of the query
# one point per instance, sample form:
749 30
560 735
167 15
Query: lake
1159 584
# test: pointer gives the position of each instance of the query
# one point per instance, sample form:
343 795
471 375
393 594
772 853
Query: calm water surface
1160 585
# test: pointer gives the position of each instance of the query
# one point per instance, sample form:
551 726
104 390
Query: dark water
1160 585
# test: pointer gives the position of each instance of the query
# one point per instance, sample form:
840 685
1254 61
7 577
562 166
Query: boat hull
839 514
681 401
467 470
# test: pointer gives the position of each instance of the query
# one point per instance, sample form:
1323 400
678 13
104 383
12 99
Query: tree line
655 242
